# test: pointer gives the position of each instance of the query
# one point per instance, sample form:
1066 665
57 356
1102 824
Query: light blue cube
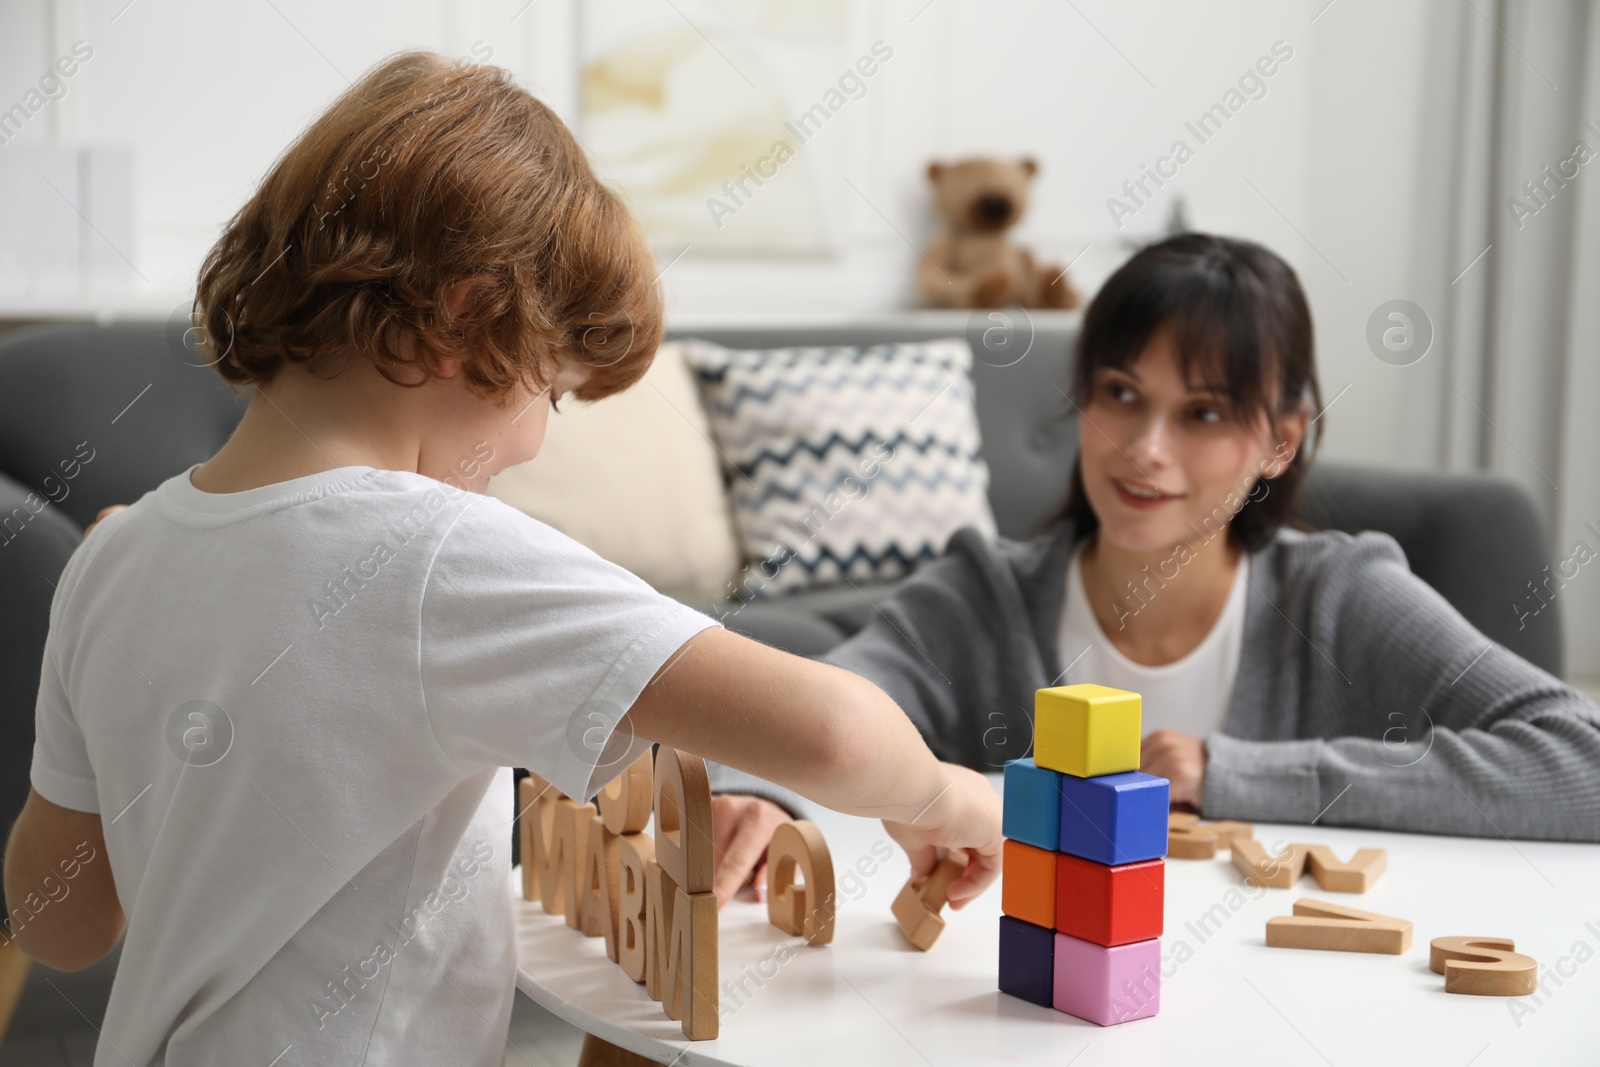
1031 811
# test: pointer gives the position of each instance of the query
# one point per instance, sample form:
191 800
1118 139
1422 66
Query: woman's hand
741 829
112 510
1181 759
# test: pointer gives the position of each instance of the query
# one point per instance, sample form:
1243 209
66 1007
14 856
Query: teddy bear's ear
1029 167
935 171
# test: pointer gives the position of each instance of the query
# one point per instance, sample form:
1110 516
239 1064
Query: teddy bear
973 265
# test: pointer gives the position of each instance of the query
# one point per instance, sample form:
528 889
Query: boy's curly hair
424 176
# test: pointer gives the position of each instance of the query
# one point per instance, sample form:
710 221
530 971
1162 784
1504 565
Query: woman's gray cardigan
1362 699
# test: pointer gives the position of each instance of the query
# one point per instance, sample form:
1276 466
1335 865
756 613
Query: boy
281 691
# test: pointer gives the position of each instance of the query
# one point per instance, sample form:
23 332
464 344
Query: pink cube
1107 985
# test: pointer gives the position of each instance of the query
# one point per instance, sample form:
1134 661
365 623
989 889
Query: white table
869 998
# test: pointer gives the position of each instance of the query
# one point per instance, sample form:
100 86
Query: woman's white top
1191 694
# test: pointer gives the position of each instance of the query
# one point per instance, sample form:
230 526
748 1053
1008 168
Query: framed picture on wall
720 118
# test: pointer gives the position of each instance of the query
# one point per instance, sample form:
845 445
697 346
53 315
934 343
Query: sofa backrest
127 403
133 394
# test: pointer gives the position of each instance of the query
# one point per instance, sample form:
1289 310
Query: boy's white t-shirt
1192 693
295 708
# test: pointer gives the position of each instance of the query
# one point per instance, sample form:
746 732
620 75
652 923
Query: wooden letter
636 853
1323 924
1483 966
659 897
561 875
1190 839
806 909
533 800
689 967
1356 876
917 907
599 901
1228 832
1187 839
683 819
626 800
1279 872
551 825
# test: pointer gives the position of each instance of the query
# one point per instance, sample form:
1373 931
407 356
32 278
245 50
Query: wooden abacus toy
1083 876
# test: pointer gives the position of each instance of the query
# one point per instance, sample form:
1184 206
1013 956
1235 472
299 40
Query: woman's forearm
1408 717
1533 778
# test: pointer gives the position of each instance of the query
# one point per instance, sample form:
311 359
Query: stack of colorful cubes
1083 879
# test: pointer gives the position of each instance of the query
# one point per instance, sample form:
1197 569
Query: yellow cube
1086 730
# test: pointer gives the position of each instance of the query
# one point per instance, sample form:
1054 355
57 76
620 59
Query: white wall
1324 168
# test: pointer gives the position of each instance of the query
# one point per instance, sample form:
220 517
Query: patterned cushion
844 464
645 451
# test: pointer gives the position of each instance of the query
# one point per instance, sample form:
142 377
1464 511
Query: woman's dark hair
1238 320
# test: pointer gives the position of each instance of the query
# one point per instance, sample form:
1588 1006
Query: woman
1286 675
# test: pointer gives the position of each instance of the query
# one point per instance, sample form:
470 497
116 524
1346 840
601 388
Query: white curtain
1511 273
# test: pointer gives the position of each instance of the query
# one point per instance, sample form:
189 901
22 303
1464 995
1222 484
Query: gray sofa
132 394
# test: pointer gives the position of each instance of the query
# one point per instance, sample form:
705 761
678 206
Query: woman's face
1164 461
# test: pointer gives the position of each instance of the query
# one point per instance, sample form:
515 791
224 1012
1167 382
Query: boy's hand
112 510
964 815
741 829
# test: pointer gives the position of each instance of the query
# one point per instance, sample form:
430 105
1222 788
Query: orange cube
1028 883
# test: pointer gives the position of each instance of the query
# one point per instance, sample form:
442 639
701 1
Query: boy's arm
828 734
819 730
62 899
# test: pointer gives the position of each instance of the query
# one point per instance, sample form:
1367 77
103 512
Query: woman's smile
1142 495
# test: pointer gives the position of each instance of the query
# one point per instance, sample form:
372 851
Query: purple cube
1027 960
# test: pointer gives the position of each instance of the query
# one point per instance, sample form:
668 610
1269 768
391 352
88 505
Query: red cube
1109 905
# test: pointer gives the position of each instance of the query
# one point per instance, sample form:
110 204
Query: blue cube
1031 809
1115 818
1027 961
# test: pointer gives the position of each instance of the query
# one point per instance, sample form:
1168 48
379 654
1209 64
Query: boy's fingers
924 858
980 874
962 890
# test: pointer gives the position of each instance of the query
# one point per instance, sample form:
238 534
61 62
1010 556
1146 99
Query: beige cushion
635 478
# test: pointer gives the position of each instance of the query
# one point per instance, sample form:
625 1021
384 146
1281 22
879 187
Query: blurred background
1424 160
